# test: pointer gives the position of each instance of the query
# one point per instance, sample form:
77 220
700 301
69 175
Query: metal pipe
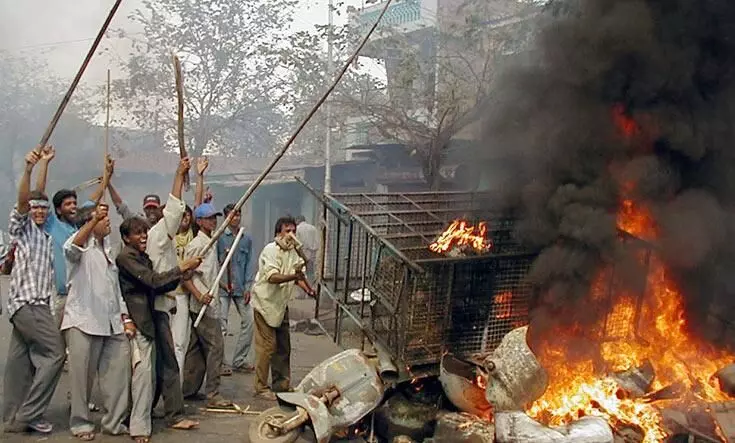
65 101
291 139
221 272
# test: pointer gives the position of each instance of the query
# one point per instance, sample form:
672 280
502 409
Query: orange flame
459 234
661 337
576 388
503 305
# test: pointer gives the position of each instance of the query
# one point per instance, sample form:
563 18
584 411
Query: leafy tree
230 54
438 80
30 95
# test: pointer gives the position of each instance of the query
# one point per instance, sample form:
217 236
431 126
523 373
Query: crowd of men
128 321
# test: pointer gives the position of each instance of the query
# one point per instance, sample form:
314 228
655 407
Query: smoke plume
618 97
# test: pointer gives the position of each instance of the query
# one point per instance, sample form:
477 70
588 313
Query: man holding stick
61 224
36 351
161 250
206 339
96 324
280 268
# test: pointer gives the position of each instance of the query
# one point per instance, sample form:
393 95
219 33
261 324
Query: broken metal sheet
724 415
516 377
517 427
456 378
726 378
636 381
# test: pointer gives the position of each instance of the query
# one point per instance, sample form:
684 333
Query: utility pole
328 141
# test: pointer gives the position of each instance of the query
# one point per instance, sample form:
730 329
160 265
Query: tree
308 78
30 95
438 80
230 54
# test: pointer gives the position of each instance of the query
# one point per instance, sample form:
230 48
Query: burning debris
462 239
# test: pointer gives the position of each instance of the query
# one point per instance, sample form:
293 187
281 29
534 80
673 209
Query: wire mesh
376 243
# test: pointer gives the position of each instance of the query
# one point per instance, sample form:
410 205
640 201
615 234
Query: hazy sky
61 31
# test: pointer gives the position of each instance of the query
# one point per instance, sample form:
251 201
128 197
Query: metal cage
380 282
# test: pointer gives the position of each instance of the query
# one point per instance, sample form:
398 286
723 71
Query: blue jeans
245 337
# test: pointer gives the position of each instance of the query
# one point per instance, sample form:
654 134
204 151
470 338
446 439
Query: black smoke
669 66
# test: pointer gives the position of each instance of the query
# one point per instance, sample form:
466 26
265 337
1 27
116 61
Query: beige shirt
161 246
271 300
205 275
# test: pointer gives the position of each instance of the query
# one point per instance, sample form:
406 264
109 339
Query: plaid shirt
32 278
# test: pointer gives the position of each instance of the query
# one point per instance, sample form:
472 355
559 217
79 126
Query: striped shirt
32 278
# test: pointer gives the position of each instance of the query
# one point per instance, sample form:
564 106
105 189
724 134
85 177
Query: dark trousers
168 380
272 354
204 356
33 367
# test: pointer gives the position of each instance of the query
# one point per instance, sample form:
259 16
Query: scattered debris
463 428
401 416
517 427
726 377
459 381
636 381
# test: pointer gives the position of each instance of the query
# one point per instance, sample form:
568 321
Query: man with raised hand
36 350
96 324
161 249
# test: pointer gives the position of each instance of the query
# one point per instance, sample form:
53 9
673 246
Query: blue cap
205 210
88 204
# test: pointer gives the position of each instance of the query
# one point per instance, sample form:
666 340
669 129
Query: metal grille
418 304
620 290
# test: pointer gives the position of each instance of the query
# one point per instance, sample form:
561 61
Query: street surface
307 351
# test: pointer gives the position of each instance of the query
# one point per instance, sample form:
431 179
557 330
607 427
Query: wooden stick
289 142
180 115
107 122
65 101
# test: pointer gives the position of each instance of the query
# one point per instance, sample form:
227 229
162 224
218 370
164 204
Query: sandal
185 425
225 371
218 402
141 439
85 436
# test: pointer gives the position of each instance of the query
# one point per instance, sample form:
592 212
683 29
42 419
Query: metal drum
516 378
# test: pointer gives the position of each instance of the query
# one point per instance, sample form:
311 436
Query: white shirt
271 300
94 304
161 247
205 275
308 235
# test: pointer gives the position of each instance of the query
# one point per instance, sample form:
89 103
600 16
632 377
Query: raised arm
24 187
82 236
120 205
181 172
202 165
100 191
47 154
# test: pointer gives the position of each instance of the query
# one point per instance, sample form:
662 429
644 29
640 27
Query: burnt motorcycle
334 396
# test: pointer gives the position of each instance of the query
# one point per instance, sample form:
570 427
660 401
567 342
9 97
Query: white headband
38 203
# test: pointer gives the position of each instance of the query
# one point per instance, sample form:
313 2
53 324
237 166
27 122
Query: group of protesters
127 320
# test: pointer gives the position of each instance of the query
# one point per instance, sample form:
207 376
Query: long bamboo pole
180 115
65 101
290 141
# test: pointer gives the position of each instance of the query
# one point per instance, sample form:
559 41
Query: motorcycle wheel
261 432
